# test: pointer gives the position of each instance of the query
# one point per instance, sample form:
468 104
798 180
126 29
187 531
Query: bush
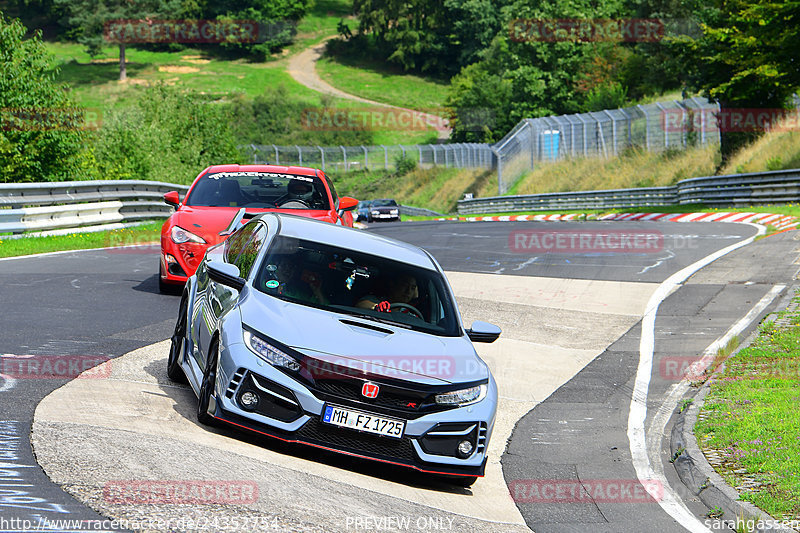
42 132
166 135
404 164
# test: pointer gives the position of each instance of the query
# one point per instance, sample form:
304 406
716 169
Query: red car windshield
265 190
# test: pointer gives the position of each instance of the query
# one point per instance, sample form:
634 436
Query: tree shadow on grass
82 74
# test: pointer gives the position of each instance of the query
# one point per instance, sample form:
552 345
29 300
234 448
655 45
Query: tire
178 344
207 386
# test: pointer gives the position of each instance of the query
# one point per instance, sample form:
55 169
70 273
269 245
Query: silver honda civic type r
340 339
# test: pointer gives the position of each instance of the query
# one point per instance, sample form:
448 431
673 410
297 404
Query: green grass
750 418
322 22
145 233
380 82
95 84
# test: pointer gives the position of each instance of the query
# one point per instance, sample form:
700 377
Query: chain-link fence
352 158
658 126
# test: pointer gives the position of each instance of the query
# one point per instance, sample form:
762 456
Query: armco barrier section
51 206
775 187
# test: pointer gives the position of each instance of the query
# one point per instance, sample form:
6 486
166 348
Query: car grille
357 442
406 401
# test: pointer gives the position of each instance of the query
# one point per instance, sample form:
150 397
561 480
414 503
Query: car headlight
393 212
376 212
463 396
269 353
180 236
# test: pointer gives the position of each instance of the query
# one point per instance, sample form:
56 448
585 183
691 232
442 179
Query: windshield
384 203
259 190
355 283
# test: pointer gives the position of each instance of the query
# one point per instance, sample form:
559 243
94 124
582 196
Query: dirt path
302 67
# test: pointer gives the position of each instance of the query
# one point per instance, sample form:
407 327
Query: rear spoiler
240 215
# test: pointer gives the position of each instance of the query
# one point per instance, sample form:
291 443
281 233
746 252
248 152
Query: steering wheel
407 307
300 204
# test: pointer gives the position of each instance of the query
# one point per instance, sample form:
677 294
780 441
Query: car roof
300 171
349 238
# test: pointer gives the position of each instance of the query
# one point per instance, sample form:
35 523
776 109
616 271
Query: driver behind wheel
401 289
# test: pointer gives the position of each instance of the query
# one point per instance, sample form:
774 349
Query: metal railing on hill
775 187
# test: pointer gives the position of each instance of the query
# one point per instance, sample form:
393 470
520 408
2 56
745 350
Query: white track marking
668 500
676 391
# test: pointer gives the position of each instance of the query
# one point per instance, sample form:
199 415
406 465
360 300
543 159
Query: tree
42 132
746 58
90 20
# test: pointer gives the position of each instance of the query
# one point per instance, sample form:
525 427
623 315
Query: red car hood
208 222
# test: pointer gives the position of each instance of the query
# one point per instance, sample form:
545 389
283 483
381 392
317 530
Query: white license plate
348 418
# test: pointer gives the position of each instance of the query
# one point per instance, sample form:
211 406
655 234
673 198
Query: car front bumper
241 370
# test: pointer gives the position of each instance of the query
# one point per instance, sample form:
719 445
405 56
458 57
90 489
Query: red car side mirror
347 204
172 198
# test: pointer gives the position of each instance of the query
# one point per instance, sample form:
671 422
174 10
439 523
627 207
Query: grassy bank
380 82
438 189
146 233
635 168
749 425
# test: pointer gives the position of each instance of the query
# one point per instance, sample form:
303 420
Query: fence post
433 149
666 133
299 155
255 159
366 157
277 161
322 155
344 156
385 158
496 154
701 110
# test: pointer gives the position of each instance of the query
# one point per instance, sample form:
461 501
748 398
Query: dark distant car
362 211
219 192
384 209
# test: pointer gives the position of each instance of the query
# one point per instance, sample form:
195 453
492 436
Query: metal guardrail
418 211
780 186
52 206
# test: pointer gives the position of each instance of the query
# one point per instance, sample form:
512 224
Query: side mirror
172 198
225 273
347 204
483 332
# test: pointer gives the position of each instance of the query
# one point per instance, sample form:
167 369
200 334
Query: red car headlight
180 236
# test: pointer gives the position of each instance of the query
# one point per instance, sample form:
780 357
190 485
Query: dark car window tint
343 281
261 190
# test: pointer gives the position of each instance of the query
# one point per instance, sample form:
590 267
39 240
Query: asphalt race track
568 362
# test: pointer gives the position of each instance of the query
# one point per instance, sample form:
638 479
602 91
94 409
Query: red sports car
220 191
